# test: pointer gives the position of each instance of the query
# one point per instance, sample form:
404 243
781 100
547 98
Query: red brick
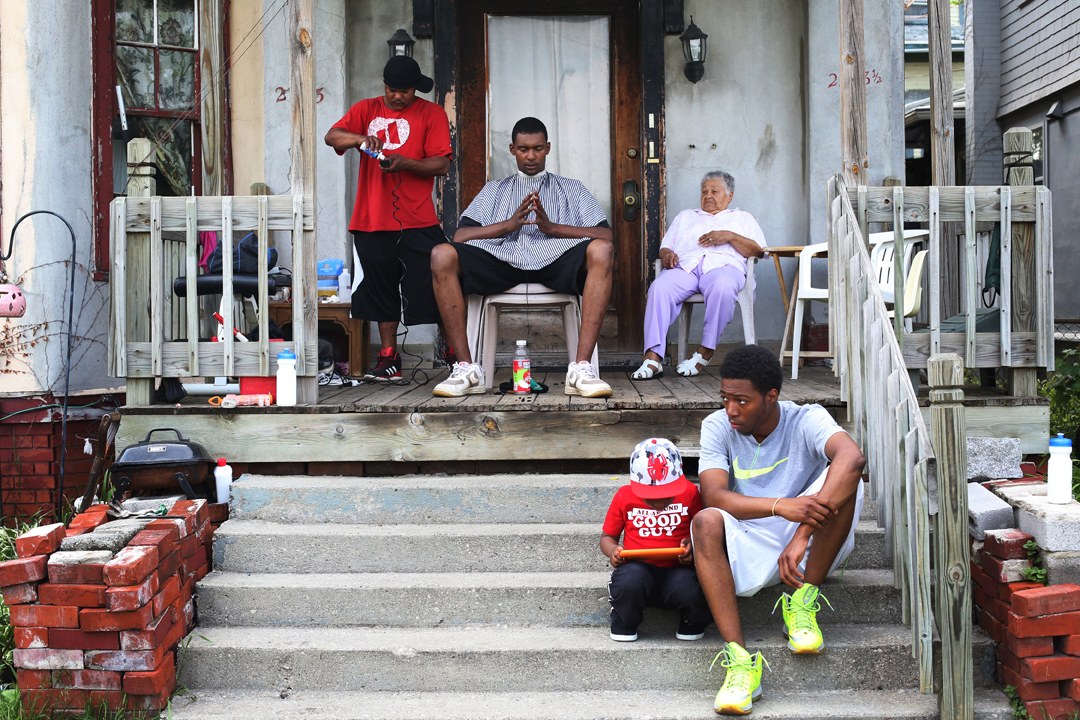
33 679
989 586
187 546
1050 667
1060 709
179 523
132 597
1028 647
1006 658
125 660
1046 600
1029 689
191 508
162 679
42 540
31 637
1006 544
200 572
88 679
79 640
219 512
1007 590
88 520
1060 624
22 570
96 620
139 703
19 594
1069 644
130 566
202 534
170 590
71 699
87 574
48 659
154 636
72 532
164 540
52 616
991 625
169 566
78 595
1071 688
999 610
1004 571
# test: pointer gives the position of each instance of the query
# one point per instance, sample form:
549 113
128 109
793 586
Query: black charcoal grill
160 464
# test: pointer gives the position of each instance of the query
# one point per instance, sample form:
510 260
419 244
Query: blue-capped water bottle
1059 471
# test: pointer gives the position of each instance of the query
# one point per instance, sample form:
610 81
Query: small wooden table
791 251
358 331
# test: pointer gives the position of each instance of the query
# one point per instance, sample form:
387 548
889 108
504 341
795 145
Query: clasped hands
669 259
531 204
812 513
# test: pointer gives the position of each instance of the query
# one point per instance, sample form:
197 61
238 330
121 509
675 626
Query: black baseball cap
403 72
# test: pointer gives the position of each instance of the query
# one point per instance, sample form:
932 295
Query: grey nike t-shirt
784 465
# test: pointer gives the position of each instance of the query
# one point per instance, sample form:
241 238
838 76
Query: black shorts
484 274
381 258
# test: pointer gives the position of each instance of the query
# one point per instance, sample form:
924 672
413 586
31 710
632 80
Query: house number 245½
872 77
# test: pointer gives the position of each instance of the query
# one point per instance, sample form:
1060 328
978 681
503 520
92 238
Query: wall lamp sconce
693 49
401 44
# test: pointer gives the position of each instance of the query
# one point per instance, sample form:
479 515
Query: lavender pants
720 286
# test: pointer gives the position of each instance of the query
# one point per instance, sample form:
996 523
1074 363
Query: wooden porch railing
141 286
917 478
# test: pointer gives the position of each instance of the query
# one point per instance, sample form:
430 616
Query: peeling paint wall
45 148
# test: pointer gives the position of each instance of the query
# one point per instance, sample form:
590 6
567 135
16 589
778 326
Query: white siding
1040 50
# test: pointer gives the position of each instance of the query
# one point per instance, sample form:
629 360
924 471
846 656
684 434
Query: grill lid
171 452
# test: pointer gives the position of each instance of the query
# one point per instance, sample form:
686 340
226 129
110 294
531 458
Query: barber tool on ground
231 401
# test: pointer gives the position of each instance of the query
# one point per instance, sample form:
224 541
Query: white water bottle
223 479
1059 471
286 378
344 287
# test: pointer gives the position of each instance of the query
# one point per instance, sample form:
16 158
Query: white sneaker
583 379
465 379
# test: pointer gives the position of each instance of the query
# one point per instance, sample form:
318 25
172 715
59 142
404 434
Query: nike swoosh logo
741 474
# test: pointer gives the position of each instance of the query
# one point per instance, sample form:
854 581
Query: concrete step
440 499
518 659
443 599
606 705
256 546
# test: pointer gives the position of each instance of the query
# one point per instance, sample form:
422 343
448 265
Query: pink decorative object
12 301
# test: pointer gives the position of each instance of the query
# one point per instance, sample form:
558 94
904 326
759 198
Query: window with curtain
157 69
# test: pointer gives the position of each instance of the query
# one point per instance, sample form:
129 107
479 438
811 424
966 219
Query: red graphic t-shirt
647 528
419 131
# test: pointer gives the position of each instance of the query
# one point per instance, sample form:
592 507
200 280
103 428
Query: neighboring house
1024 70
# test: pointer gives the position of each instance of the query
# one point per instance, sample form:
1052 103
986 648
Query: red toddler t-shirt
419 131
647 528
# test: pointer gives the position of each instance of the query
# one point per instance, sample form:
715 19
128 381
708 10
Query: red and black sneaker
388 367
448 357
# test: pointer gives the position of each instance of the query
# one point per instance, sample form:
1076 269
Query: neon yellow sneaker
742 686
800 619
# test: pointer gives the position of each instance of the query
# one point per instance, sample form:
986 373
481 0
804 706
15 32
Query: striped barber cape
566 201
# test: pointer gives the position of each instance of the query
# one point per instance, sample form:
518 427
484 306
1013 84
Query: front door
576 66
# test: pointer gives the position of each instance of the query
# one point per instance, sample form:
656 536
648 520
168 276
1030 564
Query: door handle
631 201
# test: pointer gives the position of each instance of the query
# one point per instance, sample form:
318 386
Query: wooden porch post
1018 144
853 94
948 432
300 29
942 143
142 183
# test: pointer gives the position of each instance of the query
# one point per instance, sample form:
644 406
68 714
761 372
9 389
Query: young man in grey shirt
781 485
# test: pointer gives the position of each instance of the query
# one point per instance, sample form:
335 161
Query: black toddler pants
635 585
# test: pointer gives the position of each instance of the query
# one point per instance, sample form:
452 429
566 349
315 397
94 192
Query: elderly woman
704 251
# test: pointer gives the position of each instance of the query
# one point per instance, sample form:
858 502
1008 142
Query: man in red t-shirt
393 224
654 512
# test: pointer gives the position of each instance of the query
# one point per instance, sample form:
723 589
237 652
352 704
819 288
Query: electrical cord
67 365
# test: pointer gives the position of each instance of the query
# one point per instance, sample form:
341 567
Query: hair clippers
383 162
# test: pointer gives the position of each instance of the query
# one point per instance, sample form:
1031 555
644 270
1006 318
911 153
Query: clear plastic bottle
522 370
1059 471
286 378
223 479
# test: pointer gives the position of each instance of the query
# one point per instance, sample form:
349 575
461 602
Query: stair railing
909 468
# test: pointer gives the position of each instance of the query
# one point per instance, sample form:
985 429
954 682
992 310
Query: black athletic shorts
381 257
484 274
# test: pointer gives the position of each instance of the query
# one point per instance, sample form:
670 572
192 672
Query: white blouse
689 225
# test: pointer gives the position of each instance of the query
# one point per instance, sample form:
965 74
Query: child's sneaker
742 686
620 635
388 367
686 631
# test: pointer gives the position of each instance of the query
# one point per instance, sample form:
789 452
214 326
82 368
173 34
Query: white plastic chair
483 321
745 300
882 258
912 289
806 292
